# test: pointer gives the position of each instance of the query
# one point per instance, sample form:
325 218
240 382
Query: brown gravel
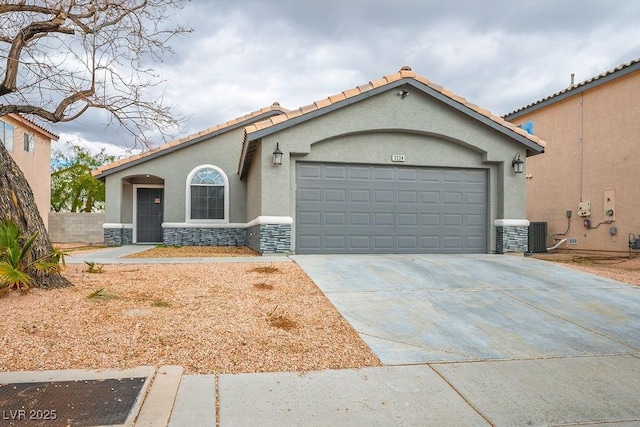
195 252
208 318
617 267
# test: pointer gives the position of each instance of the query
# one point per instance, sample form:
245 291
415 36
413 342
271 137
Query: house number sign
397 158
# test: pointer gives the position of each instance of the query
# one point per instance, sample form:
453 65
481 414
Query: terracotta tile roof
170 146
404 73
33 125
619 71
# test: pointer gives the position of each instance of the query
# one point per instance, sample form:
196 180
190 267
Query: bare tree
60 58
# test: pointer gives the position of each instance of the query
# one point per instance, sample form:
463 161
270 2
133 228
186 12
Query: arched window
207 193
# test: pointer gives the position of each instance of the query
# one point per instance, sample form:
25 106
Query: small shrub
16 260
160 304
263 285
102 295
281 321
92 267
267 269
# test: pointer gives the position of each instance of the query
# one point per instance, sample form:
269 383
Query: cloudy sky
501 55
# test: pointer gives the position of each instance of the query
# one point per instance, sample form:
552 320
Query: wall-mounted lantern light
277 155
518 165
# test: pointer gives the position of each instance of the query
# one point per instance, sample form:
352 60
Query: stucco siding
425 131
591 148
254 186
35 165
172 171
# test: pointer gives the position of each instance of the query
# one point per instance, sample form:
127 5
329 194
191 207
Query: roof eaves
33 125
600 79
181 143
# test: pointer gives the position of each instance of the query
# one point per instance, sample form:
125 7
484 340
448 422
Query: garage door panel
430 242
360 219
344 208
405 196
359 196
452 220
430 220
382 174
335 195
383 243
309 171
335 172
407 242
310 195
453 198
359 242
335 242
309 218
408 220
407 175
383 196
382 219
359 173
335 219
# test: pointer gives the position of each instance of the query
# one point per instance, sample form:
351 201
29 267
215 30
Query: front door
150 209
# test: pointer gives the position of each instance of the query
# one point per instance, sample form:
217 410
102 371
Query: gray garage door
387 209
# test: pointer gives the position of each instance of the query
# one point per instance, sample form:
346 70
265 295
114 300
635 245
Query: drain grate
64 403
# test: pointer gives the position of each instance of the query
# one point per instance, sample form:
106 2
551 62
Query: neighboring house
590 167
398 165
30 147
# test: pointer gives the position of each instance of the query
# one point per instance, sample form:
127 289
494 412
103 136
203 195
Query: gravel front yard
208 318
616 267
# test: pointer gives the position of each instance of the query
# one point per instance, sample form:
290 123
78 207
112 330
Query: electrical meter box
584 209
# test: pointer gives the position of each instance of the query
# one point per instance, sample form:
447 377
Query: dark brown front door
150 209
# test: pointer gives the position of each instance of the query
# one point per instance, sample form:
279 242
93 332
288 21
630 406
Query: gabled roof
178 144
405 76
600 79
33 126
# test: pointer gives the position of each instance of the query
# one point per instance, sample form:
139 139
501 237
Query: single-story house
398 165
584 190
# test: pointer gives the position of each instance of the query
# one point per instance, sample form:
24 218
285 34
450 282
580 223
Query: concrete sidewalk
602 390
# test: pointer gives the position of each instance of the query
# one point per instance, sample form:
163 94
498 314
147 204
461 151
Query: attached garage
354 208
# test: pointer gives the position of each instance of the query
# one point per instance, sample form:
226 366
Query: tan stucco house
30 147
397 165
585 187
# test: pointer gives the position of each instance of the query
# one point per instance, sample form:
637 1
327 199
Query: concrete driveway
522 341
447 308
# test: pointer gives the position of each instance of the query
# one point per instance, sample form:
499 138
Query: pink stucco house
30 147
585 186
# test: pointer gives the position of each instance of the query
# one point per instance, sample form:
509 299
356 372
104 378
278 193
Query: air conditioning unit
537 237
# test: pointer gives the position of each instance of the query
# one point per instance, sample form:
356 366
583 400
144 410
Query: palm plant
16 262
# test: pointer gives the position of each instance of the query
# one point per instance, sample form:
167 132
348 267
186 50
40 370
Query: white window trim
188 196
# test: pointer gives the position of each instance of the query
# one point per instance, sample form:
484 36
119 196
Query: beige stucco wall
426 131
574 169
36 166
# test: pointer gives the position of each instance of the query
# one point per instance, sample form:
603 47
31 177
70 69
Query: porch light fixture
517 163
277 155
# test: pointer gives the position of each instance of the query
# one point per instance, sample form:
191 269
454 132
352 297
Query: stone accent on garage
117 234
270 238
512 235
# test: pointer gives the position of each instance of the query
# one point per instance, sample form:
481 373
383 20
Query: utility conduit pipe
556 245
